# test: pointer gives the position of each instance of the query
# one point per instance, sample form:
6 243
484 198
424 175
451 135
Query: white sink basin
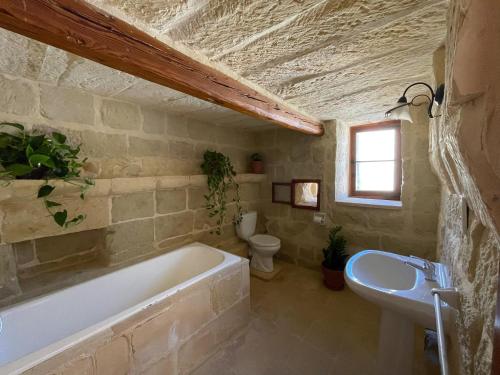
405 299
383 271
384 279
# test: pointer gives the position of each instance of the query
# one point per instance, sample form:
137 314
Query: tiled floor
299 327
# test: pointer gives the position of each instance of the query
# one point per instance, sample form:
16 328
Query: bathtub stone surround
128 219
173 336
410 229
465 153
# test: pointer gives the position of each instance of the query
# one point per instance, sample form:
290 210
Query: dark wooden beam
80 28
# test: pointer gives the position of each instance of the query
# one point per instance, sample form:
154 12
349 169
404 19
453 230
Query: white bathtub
34 331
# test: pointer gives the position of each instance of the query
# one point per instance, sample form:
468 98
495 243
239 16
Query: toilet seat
264 241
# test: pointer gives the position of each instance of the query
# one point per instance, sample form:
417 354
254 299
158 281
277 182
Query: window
375 161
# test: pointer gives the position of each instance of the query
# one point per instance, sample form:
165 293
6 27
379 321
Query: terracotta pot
333 280
257 166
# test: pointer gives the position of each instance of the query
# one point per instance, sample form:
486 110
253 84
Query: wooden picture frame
276 186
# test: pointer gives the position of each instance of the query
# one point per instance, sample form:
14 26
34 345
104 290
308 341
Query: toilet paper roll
319 219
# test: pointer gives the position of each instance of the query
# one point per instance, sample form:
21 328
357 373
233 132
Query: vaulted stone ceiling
335 59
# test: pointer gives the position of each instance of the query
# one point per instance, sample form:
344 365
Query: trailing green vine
34 156
220 178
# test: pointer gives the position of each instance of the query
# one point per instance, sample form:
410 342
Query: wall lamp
402 110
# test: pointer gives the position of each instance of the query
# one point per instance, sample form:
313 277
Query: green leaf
36 141
50 204
89 181
60 217
7 140
45 190
38 159
29 151
13 124
18 169
58 137
75 221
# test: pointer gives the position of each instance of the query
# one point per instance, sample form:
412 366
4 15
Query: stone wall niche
128 220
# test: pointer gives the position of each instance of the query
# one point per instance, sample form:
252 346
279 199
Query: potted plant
30 155
256 164
335 260
220 180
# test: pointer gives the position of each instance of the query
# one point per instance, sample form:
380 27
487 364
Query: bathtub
33 332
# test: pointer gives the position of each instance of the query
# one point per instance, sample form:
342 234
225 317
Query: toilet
262 246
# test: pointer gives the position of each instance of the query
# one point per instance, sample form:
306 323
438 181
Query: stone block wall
465 153
121 139
411 229
148 196
136 218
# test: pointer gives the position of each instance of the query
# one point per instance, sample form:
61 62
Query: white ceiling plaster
343 59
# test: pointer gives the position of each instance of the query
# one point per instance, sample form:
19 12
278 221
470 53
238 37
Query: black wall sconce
402 112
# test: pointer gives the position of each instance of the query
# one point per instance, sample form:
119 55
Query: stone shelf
24 216
27 189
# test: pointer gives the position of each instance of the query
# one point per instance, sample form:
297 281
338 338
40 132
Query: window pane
375 145
375 176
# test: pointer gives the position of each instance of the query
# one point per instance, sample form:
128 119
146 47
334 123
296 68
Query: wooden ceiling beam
80 28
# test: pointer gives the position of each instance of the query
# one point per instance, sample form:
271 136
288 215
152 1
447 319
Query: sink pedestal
405 297
396 344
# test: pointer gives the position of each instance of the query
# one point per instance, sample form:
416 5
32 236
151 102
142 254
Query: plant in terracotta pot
335 260
256 164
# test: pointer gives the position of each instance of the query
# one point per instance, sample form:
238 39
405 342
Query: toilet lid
264 240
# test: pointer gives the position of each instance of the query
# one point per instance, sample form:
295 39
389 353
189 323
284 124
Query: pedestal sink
404 296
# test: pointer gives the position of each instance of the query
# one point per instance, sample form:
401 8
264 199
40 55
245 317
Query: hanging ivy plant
34 156
220 178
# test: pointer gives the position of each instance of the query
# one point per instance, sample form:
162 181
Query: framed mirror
306 194
282 192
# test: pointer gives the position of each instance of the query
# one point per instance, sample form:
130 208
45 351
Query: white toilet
262 246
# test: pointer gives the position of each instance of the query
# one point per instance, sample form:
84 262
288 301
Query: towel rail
450 296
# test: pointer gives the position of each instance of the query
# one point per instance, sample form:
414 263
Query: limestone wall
407 230
466 154
148 196
128 220
121 139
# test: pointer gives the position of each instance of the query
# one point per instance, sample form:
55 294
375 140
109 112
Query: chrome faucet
428 268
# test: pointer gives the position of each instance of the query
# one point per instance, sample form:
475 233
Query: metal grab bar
450 296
